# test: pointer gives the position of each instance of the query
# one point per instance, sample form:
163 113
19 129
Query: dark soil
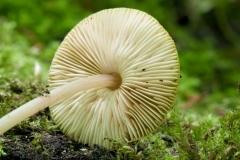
48 146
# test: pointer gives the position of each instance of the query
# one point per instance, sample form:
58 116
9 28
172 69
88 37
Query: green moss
178 138
37 142
2 153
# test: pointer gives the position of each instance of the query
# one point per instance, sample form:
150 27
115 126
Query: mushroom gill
124 42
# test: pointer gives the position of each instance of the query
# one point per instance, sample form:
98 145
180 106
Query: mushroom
115 75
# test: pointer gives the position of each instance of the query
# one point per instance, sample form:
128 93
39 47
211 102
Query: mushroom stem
60 93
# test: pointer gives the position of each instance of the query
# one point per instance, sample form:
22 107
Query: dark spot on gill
47 91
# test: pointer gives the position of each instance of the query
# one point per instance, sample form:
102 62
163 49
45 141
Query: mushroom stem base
60 93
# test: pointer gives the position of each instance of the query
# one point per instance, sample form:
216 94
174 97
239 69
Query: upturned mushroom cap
124 42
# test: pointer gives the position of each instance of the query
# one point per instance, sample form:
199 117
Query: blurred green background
206 33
